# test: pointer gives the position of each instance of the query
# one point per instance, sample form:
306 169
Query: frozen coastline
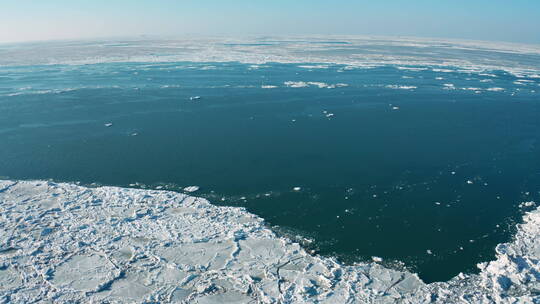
64 243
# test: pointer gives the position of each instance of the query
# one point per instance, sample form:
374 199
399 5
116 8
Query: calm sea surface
419 166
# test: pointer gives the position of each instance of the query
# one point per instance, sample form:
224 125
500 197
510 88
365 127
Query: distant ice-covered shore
314 52
65 243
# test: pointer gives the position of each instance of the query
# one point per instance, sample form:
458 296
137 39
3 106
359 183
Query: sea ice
119 245
400 87
191 189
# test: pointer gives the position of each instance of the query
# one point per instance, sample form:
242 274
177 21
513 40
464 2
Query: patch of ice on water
191 189
400 87
443 70
318 66
414 69
449 86
495 89
296 84
320 85
121 245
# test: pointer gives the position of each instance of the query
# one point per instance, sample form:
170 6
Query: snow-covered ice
65 243
191 189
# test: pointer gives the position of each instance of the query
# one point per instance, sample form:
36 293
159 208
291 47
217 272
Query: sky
495 20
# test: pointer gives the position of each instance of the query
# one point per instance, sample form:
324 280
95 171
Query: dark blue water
429 176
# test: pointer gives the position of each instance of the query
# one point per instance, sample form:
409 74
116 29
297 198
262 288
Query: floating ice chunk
321 85
191 189
109 124
194 98
318 66
411 69
472 89
167 86
296 84
527 204
400 87
443 70
449 86
376 259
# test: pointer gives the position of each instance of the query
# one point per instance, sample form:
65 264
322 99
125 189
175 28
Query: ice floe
495 89
318 66
359 52
191 189
320 85
400 87
65 243
449 86
296 84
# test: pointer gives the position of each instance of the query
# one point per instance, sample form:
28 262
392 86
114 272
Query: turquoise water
397 164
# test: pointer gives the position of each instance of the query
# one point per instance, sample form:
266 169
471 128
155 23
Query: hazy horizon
29 21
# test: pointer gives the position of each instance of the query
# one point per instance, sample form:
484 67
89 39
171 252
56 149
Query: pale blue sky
504 20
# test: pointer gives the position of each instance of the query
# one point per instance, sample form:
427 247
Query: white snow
65 243
296 84
360 52
449 86
400 87
191 189
320 85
